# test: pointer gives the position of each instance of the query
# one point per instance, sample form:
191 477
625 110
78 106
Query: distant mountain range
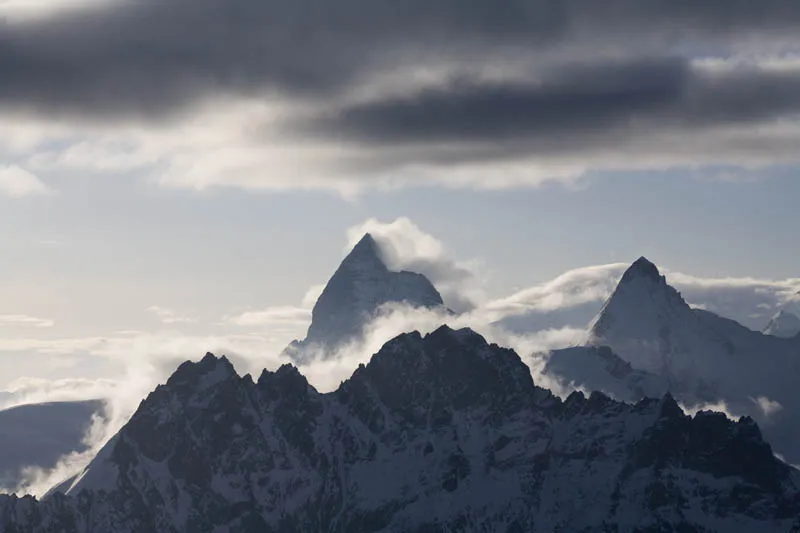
445 432
437 433
647 340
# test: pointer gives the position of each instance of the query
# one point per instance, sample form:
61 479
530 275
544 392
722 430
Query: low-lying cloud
549 315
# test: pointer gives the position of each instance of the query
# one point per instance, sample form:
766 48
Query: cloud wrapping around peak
404 246
574 298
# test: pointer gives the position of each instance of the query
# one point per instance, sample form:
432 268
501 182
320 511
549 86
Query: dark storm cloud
152 58
582 99
577 103
148 56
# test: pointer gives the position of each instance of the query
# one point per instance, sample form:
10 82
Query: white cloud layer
169 316
274 316
25 320
17 182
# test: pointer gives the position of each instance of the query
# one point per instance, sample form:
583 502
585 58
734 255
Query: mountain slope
598 368
437 433
353 296
784 324
647 323
38 435
696 355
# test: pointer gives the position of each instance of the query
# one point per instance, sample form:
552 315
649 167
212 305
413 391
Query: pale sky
156 185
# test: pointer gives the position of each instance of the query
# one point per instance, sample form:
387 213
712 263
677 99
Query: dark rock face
437 433
642 268
354 295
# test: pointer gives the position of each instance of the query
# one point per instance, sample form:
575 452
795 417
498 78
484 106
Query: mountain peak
366 256
783 324
447 416
646 318
366 240
642 268
204 373
355 294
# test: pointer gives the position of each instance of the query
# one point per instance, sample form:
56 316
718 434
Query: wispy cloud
17 182
25 320
169 316
574 297
273 316
767 406
407 247
312 295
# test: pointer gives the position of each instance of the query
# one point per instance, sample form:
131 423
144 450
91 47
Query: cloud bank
359 94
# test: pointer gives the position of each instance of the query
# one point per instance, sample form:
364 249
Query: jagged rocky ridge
647 341
354 295
437 433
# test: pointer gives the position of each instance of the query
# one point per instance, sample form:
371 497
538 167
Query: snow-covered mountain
437 433
38 435
655 342
648 324
784 324
353 296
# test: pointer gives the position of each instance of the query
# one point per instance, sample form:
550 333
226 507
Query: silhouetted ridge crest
355 295
436 432
642 268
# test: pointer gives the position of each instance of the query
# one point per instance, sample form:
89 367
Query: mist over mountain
647 340
38 435
353 297
409 230
437 433
453 427
783 324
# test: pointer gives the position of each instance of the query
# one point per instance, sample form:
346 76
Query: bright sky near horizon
171 191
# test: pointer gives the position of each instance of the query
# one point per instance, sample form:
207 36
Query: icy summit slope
648 340
783 324
437 433
353 296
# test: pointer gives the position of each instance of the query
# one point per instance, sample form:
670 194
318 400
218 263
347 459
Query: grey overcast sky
167 168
